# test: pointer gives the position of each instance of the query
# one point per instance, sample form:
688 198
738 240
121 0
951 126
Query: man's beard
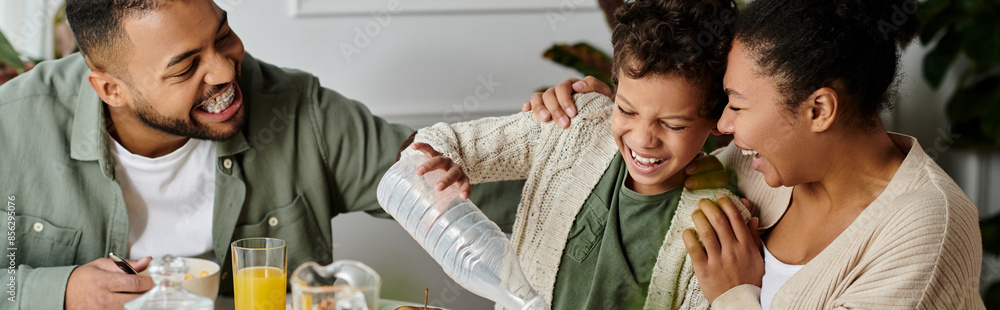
189 127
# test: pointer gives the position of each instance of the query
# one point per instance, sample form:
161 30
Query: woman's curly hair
690 38
847 44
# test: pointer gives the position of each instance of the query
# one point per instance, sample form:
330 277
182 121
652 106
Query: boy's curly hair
690 38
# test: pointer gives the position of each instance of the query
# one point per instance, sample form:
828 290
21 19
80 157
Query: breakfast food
203 273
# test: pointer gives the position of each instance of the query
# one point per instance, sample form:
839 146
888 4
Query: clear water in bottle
167 273
470 248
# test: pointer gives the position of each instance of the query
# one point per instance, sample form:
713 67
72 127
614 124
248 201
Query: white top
169 200
776 274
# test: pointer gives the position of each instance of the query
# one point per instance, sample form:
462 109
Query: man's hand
101 285
728 254
452 172
557 102
705 171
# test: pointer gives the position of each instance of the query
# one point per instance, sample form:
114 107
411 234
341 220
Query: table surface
226 303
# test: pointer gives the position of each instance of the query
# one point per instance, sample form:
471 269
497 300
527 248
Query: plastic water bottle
470 248
167 273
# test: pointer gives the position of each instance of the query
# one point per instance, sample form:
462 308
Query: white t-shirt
169 199
776 274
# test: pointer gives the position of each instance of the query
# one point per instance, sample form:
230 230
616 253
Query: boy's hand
452 172
705 171
557 103
728 254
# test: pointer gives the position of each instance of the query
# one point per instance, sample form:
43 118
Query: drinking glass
259 266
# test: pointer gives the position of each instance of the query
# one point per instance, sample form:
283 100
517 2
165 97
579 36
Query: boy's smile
658 129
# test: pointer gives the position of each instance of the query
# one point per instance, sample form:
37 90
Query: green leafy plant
8 56
970 30
584 58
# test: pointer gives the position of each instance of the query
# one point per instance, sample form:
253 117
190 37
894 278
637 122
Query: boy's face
184 70
658 129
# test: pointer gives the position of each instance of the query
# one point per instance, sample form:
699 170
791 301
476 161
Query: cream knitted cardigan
917 246
561 168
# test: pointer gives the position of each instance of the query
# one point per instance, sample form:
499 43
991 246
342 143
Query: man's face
183 70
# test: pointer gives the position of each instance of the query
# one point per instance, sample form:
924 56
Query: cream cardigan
561 168
917 246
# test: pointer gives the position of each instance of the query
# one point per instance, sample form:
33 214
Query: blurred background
422 62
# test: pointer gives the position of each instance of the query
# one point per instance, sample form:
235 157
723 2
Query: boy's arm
496 148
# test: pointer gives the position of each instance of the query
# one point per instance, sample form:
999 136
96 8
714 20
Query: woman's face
762 124
658 129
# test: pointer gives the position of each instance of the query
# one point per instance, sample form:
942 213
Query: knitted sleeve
499 148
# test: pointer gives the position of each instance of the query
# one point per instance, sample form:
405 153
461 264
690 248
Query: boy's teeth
749 152
647 161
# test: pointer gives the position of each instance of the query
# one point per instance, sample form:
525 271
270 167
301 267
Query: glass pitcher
343 285
167 273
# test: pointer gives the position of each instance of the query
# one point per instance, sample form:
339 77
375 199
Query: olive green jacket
305 154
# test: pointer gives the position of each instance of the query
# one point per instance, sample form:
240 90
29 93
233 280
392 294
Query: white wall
27 24
418 70
420 66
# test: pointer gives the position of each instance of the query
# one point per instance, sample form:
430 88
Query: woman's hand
729 252
557 103
453 172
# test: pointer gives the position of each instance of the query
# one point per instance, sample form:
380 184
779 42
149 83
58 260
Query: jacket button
38 227
273 222
228 163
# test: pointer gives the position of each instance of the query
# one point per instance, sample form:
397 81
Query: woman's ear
822 108
107 87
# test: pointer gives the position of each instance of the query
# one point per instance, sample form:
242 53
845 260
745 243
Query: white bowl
207 286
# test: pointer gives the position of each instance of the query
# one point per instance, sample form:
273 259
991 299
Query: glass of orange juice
259 273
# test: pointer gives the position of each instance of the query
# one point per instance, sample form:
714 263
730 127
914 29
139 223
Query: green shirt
305 154
612 246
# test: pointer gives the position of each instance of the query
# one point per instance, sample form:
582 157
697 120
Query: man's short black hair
97 25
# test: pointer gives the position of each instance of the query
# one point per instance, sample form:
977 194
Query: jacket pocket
39 243
296 225
586 234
